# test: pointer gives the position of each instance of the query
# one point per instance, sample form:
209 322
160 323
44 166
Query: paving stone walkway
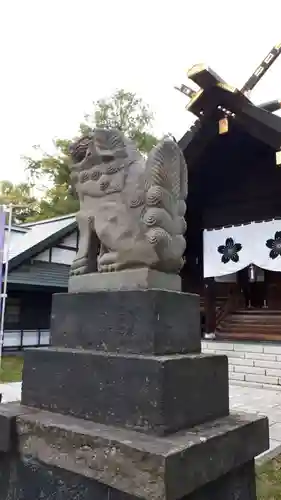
10 392
262 401
242 399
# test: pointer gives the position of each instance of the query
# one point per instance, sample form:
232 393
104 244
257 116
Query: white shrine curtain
231 249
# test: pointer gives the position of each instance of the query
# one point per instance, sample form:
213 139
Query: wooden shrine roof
209 105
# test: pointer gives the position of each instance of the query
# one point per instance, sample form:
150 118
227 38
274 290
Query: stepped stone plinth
124 405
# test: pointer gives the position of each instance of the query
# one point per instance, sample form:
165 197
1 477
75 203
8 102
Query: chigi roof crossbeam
206 78
219 102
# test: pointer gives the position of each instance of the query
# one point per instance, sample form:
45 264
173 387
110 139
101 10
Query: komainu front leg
107 261
86 259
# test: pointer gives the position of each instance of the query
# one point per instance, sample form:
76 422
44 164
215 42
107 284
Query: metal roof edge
46 221
41 246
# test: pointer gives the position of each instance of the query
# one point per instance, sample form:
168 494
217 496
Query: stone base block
143 322
28 479
154 394
132 279
25 478
208 462
8 414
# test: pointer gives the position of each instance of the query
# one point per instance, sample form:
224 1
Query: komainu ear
109 141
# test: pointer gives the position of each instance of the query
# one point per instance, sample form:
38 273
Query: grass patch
269 480
11 369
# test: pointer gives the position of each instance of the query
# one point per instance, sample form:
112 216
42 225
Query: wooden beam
210 305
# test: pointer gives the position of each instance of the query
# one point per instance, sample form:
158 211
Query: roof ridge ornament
207 79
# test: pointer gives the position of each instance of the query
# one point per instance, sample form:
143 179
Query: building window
12 311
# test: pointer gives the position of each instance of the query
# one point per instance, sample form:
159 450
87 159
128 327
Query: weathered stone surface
144 322
134 207
151 467
131 279
239 484
24 478
8 414
29 479
156 394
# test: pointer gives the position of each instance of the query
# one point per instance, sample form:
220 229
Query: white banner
231 249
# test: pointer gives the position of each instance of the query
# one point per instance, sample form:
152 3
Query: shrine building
233 256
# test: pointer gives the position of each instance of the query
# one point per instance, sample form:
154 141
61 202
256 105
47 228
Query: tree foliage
21 197
127 112
124 111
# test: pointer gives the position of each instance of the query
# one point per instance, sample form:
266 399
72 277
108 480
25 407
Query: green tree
122 110
20 196
127 112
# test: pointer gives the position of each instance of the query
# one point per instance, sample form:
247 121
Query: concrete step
251 324
247 326
261 320
262 333
259 311
242 336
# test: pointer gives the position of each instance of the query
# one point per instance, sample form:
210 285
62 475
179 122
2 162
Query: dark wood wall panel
235 181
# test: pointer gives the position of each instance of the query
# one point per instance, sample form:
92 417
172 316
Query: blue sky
57 56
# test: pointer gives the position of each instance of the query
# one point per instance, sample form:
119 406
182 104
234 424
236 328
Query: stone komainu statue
131 209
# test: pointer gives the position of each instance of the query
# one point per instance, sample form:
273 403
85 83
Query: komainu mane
131 209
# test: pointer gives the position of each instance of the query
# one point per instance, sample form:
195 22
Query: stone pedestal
124 405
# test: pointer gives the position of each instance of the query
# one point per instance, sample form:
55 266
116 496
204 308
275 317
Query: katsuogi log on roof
217 104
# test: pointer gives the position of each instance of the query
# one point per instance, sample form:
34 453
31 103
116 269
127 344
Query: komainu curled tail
131 210
164 210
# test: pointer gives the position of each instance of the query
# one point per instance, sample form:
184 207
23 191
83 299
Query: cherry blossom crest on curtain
228 250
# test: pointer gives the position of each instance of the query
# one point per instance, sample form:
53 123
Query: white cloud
57 56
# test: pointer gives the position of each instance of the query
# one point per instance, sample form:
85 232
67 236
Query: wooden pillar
210 305
265 288
243 286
